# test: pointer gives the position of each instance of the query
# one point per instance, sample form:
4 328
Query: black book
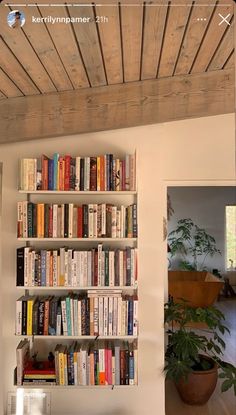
52 327
66 220
134 217
128 266
34 213
30 219
83 316
35 317
46 221
85 221
24 316
117 276
72 173
41 316
87 317
20 264
82 173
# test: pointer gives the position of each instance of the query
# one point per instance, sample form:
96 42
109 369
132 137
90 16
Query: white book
123 319
66 268
106 312
103 218
75 316
95 220
121 267
100 316
119 316
89 271
80 257
54 220
25 219
77 173
31 173
26 266
115 316
48 256
135 317
85 269
111 268
69 267
18 322
96 316
62 228
74 271
64 319
58 332
118 223
90 221
72 316
103 270
70 222
20 219
127 173
54 268
110 316
33 269
99 265
101 357
113 221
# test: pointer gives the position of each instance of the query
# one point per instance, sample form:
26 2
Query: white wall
193 150
206 207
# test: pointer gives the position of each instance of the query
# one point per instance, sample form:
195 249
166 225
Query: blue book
55 171
68 319
50 174
130 317
43 267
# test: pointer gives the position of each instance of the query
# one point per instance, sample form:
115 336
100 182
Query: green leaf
226 385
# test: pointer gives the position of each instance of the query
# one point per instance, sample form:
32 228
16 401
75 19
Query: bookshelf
126 341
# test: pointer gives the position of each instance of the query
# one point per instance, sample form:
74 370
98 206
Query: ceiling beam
117 106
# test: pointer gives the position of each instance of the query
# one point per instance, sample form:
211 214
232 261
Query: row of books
103 173
72 268
98 363
98 313
44 220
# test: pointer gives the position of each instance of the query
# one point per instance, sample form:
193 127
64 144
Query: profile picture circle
16 19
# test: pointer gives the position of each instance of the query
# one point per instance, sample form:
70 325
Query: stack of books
47 220
39 373
99 364
104 313
72 268
67 173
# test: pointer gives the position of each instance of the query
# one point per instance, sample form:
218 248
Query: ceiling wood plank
224 50
65 43
11 66
2 96
176 23
8 88
88 40
231 62
131 24
193 38
154 24
18 43
111 43
212 39
117 106
39 38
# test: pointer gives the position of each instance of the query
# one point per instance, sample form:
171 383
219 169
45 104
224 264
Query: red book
67 173
80 222
44 368
61 173
93 173
96 268
102 173
44 172
50 222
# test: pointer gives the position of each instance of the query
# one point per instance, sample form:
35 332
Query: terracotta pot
199 386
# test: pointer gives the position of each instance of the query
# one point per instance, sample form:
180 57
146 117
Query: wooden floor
219 404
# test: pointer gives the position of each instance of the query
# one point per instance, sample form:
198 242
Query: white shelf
74 386
78 337
77 239
79 192
94 287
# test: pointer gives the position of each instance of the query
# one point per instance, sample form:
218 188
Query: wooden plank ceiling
138 43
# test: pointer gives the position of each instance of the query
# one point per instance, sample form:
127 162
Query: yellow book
30 303
61 367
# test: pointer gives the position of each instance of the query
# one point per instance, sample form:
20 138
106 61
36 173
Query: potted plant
193 357
188 239
191 281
